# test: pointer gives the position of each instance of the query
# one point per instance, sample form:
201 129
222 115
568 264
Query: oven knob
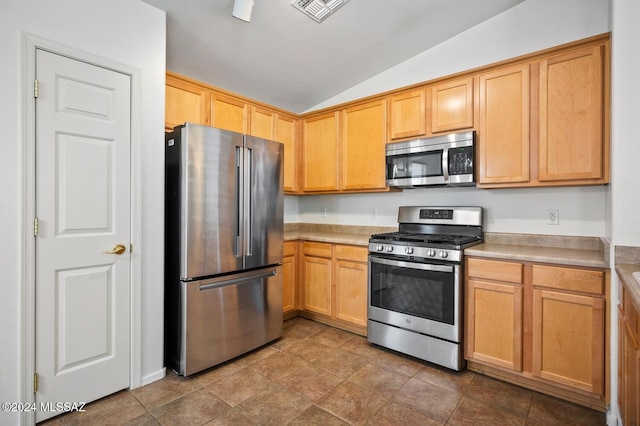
389 249
408 250
379 247
431 252
443 254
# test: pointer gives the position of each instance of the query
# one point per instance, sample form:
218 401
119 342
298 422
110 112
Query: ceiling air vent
318 10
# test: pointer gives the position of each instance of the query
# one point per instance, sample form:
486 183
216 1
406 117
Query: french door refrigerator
223 245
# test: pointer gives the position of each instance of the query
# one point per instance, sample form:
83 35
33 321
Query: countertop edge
540 254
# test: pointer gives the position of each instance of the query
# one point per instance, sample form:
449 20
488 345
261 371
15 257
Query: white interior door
83 142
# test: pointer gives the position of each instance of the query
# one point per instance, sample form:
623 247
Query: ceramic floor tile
341 363
385 382
315 415
360 346
165 390
305 349
458 381
352 403
301 328
473 413
394 414
433 401
546 410
144 420
118 408
398 362
504 396
214 373
310 382
195 408
239 386
276 406
333 337
278 365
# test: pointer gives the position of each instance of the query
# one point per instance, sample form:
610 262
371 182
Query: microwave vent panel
318 10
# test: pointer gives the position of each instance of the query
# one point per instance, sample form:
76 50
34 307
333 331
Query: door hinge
35 88
35 226
130 247
35 382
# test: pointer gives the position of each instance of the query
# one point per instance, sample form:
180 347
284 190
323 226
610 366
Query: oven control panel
416 252
446 214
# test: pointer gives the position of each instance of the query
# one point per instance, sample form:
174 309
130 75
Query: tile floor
319 375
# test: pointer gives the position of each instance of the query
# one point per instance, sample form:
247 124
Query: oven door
421 297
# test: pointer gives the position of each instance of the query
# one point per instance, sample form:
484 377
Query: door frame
30 43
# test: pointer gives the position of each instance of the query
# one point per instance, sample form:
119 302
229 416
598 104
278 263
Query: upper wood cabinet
229 113
363 146
452 105
571 116
503 133
185 102
286 130
320 152
407 114
262 122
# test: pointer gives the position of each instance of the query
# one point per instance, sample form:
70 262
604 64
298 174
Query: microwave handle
445 164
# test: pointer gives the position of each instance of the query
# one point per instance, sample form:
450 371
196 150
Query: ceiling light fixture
242 9
318 10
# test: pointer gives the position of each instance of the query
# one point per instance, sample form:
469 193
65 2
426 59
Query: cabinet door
494 324
228 113
503 133
571 119
351 292
185 102
286 134
289 277
407 114
320 153
568 339
317 285
452 105
262 123
363 146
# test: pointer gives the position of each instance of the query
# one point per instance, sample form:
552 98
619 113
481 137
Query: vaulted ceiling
285 59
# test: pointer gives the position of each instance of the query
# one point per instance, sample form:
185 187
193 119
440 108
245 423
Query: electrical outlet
323 212
553 217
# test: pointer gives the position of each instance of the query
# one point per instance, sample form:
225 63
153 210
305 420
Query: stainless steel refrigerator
223 245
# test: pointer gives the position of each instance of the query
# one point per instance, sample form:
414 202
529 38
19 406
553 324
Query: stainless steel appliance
416 282
223 245
440 160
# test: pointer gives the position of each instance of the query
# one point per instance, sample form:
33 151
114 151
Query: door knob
117 249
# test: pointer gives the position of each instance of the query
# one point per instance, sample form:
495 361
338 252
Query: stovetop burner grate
425 238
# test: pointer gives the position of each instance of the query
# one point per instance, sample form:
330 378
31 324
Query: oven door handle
411 265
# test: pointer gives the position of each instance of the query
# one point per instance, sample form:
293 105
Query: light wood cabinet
503 133
363 146
351 284
289 277
320 152
262 123
317 267
494 313
229 113
286 130
540 326
452 105
571 116
185 102
407 114
628 360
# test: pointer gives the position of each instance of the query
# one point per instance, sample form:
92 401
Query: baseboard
150 378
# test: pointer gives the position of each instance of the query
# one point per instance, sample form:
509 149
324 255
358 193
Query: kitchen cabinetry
334 284
286 132
229 113
408 115
628 359
452 105
185 101
320 152
540 326
544 122
289 277
363 146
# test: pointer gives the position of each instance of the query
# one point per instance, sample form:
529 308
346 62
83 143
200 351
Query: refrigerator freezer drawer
228 316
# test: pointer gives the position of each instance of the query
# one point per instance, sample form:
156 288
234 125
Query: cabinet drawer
355 253
588 281
495 270
317 249
289 248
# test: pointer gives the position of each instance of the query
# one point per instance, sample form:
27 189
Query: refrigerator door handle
248 201
240 280
238 225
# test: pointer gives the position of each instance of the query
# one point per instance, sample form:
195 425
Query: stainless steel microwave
440 160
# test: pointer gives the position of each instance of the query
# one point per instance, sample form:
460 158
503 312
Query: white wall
128 32
528 27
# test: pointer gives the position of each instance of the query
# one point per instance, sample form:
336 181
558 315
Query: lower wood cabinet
333 284
540 326
289 277
628 360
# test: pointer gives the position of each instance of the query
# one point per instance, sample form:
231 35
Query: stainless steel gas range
415 296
